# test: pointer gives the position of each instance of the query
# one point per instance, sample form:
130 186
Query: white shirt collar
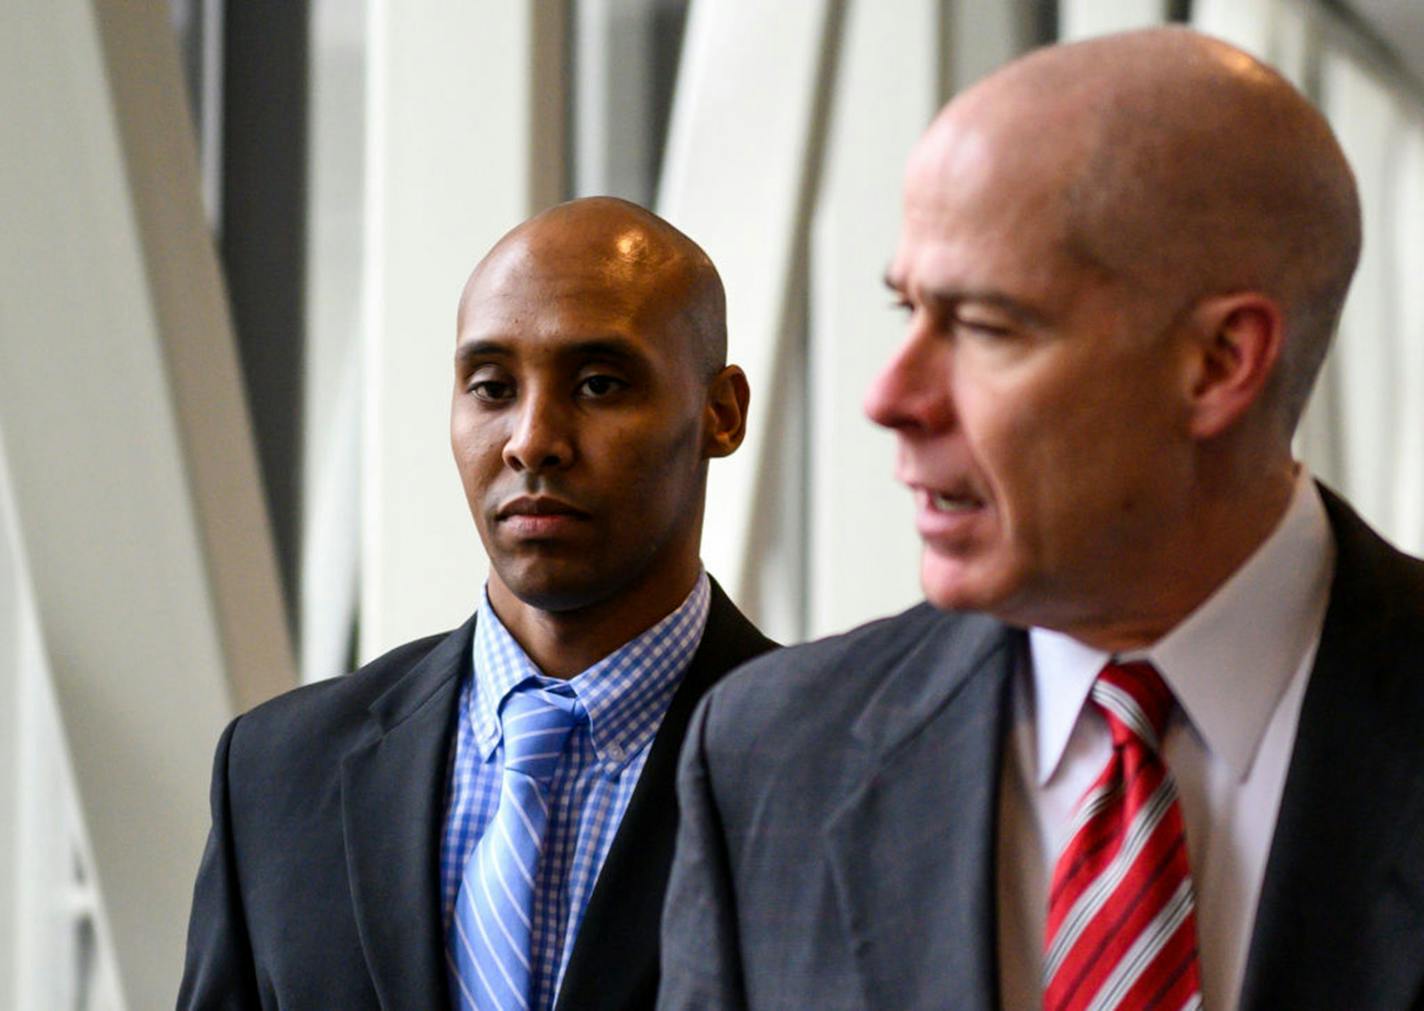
1266 615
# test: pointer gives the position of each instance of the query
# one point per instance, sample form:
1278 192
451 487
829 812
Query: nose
912 390
542 436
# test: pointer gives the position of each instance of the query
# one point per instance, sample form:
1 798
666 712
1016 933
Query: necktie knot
537 724
1136 702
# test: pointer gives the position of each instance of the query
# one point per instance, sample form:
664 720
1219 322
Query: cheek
1032 444
658 462
1087 463
477 449
1013 431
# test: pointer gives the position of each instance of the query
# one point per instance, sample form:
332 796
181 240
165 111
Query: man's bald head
1121 260
589 396
1186 168
662 276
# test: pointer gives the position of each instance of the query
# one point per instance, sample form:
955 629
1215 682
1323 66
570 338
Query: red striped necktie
1121 929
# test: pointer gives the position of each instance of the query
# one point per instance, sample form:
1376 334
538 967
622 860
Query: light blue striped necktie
489 939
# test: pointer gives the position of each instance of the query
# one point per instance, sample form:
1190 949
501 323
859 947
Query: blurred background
232 236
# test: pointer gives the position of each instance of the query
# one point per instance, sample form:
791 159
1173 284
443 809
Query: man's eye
981 327
600 386
491 390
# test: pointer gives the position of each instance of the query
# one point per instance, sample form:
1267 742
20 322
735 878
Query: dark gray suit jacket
840 809
319 887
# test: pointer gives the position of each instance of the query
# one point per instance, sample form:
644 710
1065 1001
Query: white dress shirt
1238 666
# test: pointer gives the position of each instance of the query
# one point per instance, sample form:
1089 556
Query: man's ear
726 412
1238 342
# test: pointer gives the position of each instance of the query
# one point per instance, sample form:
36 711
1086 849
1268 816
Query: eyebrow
984 296
618 349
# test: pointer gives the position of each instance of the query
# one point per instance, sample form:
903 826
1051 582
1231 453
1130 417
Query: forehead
984 208
545 299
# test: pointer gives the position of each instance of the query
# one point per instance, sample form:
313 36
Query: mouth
953 502
537 505
535 518
949 514
953 497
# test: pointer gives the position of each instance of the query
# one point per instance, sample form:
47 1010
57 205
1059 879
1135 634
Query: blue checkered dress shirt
626 695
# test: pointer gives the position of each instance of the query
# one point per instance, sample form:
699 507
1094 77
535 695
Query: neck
1223 529
565 643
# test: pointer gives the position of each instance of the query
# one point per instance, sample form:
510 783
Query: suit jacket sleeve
700 952
218 971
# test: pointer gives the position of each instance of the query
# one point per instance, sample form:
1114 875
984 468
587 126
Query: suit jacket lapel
1341 913
614 963
392 795
913 848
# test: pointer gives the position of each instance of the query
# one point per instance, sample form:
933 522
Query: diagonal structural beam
744 152
133 478
464 140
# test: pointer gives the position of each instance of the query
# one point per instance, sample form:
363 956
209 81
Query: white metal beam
863 559
465 128
128 451
1367 122
189 305
1081 19
56 944
980 36
614 97
328 575
1408 241
1244 23
11 602
742 155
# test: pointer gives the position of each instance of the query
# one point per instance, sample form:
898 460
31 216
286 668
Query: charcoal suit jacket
840 811
319 886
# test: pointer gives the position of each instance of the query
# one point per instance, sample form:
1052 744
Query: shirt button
615 752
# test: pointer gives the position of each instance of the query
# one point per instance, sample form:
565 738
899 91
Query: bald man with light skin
1120 264
1183 203
590 393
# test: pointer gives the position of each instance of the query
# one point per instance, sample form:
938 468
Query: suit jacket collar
614 963
931 742
1341 911
1342 903
392 792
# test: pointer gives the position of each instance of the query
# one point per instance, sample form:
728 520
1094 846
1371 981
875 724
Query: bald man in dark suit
348 865
1153 740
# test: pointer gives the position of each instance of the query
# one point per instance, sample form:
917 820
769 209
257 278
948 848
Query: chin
958 584
558 599
555 592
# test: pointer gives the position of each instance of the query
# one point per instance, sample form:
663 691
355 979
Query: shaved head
1184 167
589 395
662 276
1121 261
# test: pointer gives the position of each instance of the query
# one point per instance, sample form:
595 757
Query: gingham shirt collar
625 694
